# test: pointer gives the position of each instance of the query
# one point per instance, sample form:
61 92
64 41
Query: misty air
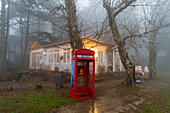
85 56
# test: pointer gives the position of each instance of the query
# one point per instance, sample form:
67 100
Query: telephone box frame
87 56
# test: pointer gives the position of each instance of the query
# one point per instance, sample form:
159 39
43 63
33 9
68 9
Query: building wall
39 56
61 56
117 64
67 65
60 63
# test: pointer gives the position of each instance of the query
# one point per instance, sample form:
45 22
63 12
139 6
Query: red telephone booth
83 74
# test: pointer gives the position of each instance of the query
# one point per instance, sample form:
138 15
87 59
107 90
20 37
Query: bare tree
75 40
112 12
27 38
3 56
21 39
7 35
157 21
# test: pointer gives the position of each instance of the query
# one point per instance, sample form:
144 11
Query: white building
50 56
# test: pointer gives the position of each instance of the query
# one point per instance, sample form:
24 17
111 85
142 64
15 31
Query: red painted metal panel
82 59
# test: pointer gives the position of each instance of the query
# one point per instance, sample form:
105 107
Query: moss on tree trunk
75 40
128 65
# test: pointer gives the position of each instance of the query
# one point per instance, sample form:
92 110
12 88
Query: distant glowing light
96 52
45 53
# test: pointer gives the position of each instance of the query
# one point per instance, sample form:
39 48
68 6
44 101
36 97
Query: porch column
105 59
114 56
30 59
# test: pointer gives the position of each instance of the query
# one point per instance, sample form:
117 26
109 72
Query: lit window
96 59
101 57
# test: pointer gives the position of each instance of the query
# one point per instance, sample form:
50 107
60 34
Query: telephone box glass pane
72 74
91 75
81 81
81 73
81 63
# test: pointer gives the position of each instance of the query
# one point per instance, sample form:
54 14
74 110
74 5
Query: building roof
42 44
39 44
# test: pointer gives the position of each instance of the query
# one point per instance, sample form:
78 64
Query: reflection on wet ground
105 104
109 103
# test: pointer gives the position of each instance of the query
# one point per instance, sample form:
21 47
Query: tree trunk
128 65
26 40
123 53
7 35
3 56
152 55
21 41
75 40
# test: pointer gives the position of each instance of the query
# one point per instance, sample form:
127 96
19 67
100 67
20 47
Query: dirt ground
112 98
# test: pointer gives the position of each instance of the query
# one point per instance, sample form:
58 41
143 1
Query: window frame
56 57
100 57
66 59
51 58
36 58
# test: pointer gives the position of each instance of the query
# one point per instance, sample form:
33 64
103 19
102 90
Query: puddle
109 103
164 84
105 104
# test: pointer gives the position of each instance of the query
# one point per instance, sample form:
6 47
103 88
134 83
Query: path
107 103
111 101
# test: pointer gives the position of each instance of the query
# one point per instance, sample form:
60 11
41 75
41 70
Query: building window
101 56
33 60
68 57
64 57
56 57
96 59
117 62
36 58
50 58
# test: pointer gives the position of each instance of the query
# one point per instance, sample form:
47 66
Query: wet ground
110 97
116 99
109 102
99 105
25 84
105 104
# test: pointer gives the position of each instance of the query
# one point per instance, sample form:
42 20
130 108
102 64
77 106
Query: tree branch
139 35
124 4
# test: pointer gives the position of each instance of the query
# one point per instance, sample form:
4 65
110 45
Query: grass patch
100 91
126 91
159 102
34 101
